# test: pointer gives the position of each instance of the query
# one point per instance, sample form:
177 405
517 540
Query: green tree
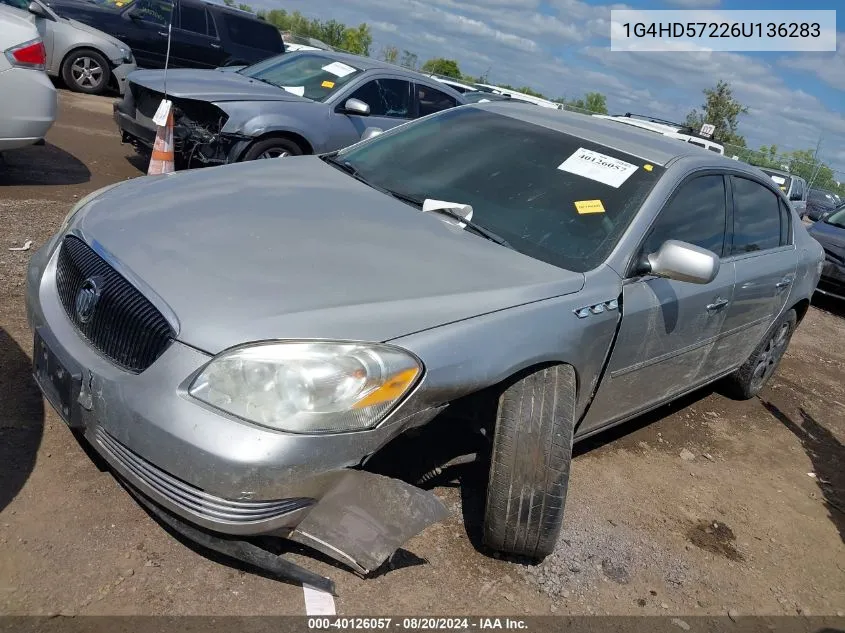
721 110
409 60
229 3
357 40
592 101
389 54
442 66
245 7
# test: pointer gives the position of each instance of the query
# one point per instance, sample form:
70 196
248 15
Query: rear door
763 253
195 43
668 327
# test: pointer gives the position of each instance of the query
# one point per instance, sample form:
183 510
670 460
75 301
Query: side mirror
371 132
37 9
356 106
683 262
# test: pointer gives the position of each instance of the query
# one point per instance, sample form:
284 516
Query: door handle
163 33
717 305
783 283
215 45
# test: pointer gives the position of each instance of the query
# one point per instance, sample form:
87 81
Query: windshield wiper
451 213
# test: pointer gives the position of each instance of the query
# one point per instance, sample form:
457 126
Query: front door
668 327
195 43
764 256
145 30
390 105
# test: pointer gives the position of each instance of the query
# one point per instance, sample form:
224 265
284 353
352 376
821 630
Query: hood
294 248
90 29
829 236
212 85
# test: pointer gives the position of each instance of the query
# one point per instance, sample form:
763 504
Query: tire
272 148
747 381
87 71
529 465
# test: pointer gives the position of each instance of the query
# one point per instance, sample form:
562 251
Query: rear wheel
529 466
272 148
750 379
86 71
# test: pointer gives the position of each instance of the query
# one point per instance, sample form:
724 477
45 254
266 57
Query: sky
562 49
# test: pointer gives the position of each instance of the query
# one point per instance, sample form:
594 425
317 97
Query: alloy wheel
769 358
273 152
86 72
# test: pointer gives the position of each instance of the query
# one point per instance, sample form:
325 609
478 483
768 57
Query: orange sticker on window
589 206
328 84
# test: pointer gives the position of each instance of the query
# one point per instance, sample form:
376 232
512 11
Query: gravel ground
703 507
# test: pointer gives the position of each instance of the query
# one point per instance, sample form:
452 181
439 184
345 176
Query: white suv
667 129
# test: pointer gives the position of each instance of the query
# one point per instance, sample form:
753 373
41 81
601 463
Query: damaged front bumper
223 475
198 138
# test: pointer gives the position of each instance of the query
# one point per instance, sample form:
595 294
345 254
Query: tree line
720 108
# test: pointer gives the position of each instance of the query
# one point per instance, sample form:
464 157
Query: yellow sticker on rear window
648 167
328 84
589 206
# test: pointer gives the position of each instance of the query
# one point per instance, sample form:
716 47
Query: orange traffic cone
162 160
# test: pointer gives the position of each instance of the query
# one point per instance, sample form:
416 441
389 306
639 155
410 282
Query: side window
799 189
155 11
252 32
697 214
386 97
192 18
785 215
432 100
212 29
757 217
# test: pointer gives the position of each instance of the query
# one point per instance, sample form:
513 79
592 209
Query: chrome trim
198 506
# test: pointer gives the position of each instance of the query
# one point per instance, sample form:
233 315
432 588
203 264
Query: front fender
464 357
258 118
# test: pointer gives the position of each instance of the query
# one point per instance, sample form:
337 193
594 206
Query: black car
830 233
204 35
820 202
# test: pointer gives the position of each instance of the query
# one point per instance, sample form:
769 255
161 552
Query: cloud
694 4
561 47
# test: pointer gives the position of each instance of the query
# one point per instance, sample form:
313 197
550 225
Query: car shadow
22 422
833 306
826 453
141 162
45 164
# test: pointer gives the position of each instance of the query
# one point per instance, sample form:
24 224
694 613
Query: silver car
86 59
238 342
298 103
28 100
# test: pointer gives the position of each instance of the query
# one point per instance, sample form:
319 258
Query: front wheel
529 466
747 381
86 71
272 148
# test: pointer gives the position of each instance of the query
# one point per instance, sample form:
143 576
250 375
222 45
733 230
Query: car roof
629 139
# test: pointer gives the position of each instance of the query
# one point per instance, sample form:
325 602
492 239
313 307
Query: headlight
79 205
314 387
126 55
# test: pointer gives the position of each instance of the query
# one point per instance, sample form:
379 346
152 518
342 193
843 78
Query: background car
86 59
793 186
820 202
829 231
298 103
204 34
28 99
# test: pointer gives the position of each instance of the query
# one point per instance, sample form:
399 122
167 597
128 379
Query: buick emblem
86 299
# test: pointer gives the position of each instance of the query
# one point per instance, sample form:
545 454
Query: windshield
781 180
552 196
307 74
838 218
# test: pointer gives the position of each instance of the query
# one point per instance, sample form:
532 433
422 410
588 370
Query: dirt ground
750 520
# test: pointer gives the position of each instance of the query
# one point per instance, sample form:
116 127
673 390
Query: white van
666 128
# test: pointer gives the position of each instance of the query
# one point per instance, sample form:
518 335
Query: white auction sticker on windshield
779 180
339 69
599 167
299 91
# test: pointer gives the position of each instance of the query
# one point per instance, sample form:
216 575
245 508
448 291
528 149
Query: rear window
555 197
253 33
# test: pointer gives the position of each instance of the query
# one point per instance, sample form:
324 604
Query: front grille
123 326
190 498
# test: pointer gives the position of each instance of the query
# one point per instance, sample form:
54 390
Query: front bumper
223 474
832 281
121 72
